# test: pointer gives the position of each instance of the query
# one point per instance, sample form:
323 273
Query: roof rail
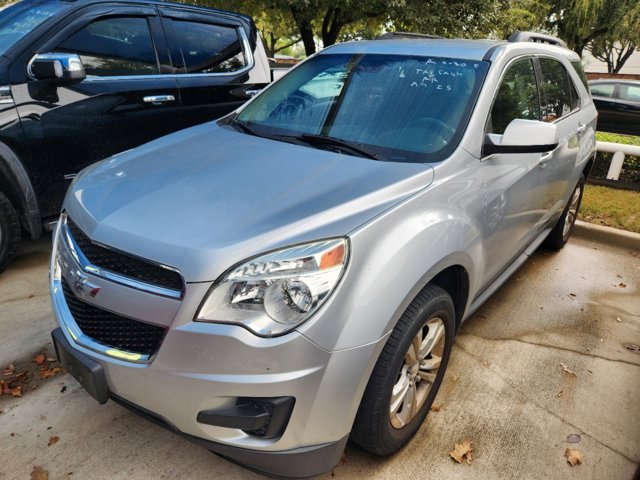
536 37
400 35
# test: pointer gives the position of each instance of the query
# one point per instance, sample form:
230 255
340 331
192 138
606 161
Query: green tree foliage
618 44
579 22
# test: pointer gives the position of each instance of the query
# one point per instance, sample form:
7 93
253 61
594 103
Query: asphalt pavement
549 356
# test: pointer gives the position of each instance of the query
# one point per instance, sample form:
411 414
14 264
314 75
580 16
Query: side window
558 93
603 90
517 97
114 47
208 48
577 66
630 92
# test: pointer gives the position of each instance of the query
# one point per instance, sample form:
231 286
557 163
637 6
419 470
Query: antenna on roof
536 37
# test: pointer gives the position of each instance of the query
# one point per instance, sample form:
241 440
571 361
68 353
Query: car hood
205 198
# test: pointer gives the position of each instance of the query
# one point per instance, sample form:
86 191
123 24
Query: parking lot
551 354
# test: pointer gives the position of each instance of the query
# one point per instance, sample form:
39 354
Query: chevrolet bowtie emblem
82 286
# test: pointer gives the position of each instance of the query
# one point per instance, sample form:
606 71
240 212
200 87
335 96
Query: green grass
611 207
616 138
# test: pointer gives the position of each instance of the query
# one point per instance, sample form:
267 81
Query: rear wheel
9 231
407 375
560 234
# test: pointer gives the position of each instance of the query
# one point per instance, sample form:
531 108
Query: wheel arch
17 186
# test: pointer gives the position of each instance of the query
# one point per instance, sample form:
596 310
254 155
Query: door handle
252 92
158 99
544 159
581 127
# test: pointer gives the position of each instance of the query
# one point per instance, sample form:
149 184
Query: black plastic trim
296 463
489 148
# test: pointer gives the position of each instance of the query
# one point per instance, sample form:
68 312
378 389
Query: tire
384 423
9 231
559 236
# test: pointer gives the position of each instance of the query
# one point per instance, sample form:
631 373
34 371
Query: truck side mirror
56 68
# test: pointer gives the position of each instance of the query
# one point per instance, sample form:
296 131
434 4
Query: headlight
274 293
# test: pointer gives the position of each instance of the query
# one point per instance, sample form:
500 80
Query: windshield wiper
342 145
243 126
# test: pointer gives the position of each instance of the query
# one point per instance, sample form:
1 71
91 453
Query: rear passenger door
561 105
212 61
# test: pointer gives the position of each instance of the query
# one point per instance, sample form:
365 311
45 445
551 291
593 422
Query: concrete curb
608 235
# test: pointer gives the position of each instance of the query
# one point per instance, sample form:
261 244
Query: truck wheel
9 231
408 373
560 234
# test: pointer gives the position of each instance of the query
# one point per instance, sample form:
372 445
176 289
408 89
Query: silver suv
292 276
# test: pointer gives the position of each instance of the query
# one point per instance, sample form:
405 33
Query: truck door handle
544 159
158 99
581 127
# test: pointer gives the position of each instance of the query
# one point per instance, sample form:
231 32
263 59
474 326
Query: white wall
592 65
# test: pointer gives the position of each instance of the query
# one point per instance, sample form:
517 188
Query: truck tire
9 231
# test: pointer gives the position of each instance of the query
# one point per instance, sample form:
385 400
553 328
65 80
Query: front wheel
407 375
560 234
9 231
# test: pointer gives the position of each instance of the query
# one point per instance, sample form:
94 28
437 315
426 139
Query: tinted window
603 89
517 97
557 98
114 46
405 108
18 19
208 48
577 66
630 92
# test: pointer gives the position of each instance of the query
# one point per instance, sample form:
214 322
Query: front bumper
297 462
208 367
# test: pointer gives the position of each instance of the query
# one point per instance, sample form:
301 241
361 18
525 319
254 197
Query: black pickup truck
81 80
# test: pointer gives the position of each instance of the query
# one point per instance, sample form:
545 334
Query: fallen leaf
436 407
622 285
568 370
16 392
63 389
560 393
574 457
53 440
633 347
49 372
463 452
40 359
9 369
39 473
572 294
574 438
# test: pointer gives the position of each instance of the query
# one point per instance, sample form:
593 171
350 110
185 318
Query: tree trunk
306 29
331 26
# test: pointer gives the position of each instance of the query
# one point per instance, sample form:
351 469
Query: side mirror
56 67
523 136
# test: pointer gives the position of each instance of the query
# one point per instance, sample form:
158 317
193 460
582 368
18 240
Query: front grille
125 264
111 329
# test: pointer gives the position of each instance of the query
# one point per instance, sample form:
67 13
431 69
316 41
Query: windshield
401 108
18 19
